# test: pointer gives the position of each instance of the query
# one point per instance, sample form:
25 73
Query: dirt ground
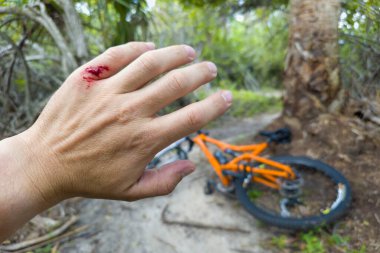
352 146
190 221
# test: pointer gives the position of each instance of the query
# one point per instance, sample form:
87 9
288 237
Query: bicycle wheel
325 196
166 157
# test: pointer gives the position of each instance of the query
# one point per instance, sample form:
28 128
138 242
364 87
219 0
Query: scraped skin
99 131
91 74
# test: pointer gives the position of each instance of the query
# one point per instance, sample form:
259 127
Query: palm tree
311 78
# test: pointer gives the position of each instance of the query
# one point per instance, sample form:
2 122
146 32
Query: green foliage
242 45
242 5
363 249
315 241
115 21
201 3
254 194
313 244
336 239
247 103
280 242
45 249
360 46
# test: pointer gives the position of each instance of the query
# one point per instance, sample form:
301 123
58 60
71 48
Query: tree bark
311 78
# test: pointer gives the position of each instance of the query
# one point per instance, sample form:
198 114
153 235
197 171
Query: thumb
157 182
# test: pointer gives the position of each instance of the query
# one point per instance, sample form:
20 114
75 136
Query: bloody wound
93 73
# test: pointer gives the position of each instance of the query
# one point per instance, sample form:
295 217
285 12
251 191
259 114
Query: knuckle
169 187
181 50
137 144
141 142
136 46
148 62
126 114
129 110
194 119
176 82
113 52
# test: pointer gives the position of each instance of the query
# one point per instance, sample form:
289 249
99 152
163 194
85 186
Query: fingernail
190 52
227 96
212 67
187 171
150 45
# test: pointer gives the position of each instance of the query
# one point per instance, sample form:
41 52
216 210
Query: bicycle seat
282 135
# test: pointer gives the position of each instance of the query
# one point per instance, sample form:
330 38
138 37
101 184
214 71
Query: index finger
113 60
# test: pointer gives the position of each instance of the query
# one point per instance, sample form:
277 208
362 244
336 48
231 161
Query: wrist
26 189
40 166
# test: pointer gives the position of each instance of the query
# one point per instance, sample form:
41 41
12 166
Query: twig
166 243
78 232
377 218
55 248
241 250
199 225
8 79
41 17
58 231
27 71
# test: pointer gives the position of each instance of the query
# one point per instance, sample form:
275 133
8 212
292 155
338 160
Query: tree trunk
74 29
311 68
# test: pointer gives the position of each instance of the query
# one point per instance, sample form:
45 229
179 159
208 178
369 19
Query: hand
99 130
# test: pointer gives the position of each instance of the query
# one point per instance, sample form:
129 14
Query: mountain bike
291 192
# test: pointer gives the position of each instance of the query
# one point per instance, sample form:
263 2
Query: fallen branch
25 244
199 225
76 233
55 248
374 119
166 243
377 218
241 250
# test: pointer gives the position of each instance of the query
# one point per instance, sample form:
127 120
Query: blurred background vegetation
41 42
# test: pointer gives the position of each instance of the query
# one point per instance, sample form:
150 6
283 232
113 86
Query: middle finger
174 85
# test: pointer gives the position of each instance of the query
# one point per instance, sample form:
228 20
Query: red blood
96 71
92 74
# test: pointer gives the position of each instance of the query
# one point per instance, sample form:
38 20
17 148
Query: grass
315 241
254 194
280 242
248 103
45 249
245 104
312 243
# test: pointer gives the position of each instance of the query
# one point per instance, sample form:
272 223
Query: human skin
99 130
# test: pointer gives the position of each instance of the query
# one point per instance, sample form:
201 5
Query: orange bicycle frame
266 176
